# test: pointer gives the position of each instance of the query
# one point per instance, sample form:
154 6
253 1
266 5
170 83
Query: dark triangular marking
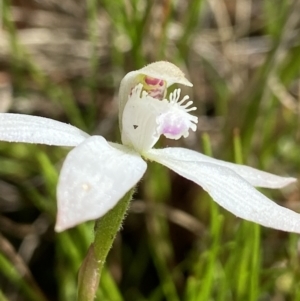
135 126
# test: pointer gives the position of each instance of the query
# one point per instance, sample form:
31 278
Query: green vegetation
65 59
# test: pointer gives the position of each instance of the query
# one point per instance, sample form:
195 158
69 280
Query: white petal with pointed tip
94 177
232 192
254 176
34 129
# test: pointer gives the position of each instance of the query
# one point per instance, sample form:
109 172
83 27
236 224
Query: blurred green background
65 59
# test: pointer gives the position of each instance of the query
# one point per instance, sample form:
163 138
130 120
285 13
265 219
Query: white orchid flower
96 174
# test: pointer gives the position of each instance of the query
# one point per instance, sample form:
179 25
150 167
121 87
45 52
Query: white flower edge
94 177
254 176
34 129
232 192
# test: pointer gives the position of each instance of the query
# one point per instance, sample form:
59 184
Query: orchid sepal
231 192
253 176
41 130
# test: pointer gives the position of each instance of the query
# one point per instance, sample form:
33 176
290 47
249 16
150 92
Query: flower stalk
106 229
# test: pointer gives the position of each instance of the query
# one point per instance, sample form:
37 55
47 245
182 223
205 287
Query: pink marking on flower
176 121
173 124
151 81
155 87
174 129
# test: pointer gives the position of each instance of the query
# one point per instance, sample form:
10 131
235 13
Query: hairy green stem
106 229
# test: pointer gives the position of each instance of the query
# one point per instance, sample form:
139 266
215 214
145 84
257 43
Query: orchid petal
140 119
254 176
232 192
34 129
94 177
